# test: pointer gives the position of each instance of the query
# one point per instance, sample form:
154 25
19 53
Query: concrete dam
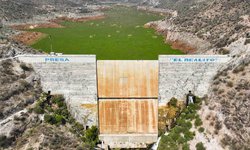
121 97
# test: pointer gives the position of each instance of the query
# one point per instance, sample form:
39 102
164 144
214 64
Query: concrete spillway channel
122 97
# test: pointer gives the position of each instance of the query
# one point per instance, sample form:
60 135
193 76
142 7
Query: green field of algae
120 36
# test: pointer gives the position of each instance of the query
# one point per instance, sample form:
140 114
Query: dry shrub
230 84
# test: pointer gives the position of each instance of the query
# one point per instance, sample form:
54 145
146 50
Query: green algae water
120 36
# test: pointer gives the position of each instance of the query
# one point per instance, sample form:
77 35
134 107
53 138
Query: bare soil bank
175 44
81 19
28 38
184 47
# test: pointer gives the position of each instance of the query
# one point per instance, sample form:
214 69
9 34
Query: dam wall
73 76
128 102
179 74
122 97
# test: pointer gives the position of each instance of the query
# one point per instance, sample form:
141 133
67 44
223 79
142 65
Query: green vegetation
230 84
198 122
167 114
25 67
91 136
38 109
178 137
185 147
4 141
201 129
120 36
200 146
56 113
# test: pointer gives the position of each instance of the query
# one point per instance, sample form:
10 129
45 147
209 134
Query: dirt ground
187 49
28 38
82 19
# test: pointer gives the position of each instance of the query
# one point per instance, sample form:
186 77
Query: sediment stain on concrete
128 116
128 102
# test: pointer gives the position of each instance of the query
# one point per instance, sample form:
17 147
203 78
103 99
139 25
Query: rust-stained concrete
127 79
128 102
128 116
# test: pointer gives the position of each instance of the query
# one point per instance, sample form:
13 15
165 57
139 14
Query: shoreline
182 41
31 37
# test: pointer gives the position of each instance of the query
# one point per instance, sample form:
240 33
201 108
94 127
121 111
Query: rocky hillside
46 124
19 88
218 22
230 100
9 48
216 27
21 10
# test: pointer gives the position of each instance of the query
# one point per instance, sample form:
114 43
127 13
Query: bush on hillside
49 119
201 129
173 102
198 122
180 134
38 109
25 67
59 100
185 147
90 137
4 141
56 113
200 146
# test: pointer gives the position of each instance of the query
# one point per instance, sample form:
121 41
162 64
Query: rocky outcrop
14 126
9 48
44 136
19 87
